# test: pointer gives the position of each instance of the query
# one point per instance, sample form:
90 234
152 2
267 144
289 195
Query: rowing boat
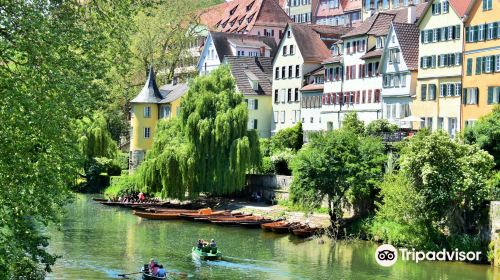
254 224
277 227
210 255
157 216
146 274
99 199
304 232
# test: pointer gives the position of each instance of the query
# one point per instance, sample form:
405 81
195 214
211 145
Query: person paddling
161 272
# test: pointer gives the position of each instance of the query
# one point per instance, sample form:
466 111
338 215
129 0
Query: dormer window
249 6
241 21
233 10
249 19
335 50
232 23
254 84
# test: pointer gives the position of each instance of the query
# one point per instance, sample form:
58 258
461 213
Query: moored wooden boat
254 224
157 216
304 232
204 255
99 199
270 226
198 215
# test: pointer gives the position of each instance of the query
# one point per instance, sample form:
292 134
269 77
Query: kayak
206 255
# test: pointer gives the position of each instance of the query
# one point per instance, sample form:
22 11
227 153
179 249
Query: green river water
100 242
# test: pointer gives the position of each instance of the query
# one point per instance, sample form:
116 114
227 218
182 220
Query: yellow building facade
481 80
147 108
439 80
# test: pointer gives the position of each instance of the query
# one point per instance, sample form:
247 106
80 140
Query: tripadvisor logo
387 255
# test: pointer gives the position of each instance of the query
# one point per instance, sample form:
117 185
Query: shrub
121 185
377 127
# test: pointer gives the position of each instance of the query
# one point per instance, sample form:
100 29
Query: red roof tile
408 36
313 87
460 6
312 48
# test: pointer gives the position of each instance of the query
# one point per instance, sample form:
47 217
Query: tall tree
54 56
332 165
208 149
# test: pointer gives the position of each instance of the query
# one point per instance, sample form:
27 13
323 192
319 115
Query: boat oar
125 274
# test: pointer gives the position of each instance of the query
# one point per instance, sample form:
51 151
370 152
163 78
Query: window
493 95
290 71
380 43
283 95
276 96
497 63
288 34
291 49
147 112
429 123
488 64
458 89
435 35
442 90
450 89
277 73
394 56
296 96
425 36
432 92
284 50
436 8
289 95
487 5
283 72
440 123
282 117
480 35
490 33
471 96
446 6
147 132
252 124
297 71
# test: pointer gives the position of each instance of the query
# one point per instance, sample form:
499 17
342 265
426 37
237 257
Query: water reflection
99 242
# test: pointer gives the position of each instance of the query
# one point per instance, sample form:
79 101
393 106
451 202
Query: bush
468 243
288 138
378 127
494 186
121 160
121 185
281 162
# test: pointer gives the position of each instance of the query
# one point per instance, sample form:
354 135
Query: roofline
429 4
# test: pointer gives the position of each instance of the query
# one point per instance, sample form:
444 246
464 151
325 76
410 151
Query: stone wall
495 230
269 186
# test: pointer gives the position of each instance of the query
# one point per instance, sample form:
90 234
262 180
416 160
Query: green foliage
486 134
438 197
98 150
468 243
207 149
377 127
401 218
332 165
450 176
352 123
288 138
55 56
494 186
121 185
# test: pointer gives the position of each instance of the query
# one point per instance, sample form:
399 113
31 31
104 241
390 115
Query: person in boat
213 246
151 264
161 271
155 269
200 244
141 197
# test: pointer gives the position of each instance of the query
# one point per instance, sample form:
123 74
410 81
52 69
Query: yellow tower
144 117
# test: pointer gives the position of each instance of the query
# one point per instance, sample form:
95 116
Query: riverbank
274 212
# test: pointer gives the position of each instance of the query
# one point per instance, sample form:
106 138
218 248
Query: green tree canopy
334 164
208 149
352 123
486 134
377 127
54 60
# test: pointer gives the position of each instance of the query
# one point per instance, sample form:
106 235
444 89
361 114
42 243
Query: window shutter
421 62
434 8
478 65
467 37
256 104
483 64
422 34
475 38
492 63
457 32
495 26
469 66
477 95
465 96
490 95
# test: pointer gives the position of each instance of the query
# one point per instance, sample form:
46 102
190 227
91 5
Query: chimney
412 13
174 80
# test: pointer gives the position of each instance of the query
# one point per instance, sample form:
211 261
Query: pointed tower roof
150 92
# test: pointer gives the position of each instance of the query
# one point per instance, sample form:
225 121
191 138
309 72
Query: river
100 242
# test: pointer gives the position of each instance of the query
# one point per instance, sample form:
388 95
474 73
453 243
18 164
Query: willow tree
208 149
